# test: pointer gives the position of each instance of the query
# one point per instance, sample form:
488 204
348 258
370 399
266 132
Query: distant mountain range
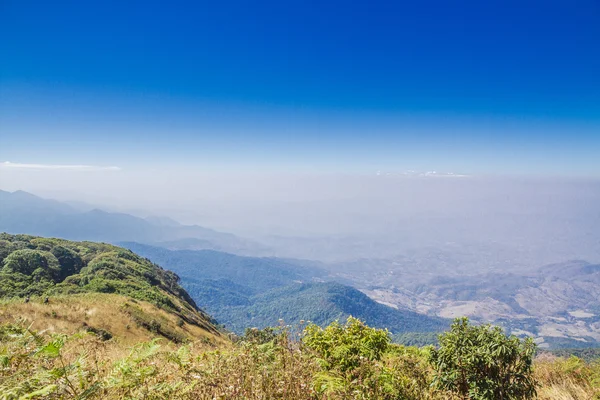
22 212
257 273
239 291
558 303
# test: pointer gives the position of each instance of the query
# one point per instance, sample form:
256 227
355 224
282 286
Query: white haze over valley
521 252
500 222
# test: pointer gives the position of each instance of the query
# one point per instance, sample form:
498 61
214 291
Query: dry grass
87 367
134 365
83 366
567 379
109 312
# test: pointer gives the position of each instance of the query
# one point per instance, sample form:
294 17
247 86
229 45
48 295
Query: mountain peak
162 221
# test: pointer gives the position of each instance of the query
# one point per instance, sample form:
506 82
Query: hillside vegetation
320 303
94 286
340 362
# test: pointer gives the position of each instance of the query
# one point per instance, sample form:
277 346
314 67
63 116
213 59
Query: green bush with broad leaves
480 362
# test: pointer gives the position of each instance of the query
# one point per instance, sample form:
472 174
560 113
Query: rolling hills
101 287
258 273
320 303
242 292
558 303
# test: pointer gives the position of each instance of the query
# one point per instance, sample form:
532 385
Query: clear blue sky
465 86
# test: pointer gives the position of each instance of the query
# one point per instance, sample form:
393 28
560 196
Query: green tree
70 262
482 363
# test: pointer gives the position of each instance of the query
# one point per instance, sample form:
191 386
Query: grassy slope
122 317
41 365
95 286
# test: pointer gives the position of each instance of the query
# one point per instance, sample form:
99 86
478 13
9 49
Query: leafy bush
345 346
481 362
357 361
70 262
260 336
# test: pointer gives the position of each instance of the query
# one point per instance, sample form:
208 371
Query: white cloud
73 167
428 174
443 174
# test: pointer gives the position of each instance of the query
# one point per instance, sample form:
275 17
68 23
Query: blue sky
468 86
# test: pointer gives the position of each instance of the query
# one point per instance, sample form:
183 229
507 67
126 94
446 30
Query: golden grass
90 368
209 366
566 379
68 314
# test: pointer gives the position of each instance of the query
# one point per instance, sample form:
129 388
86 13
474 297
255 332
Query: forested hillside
320 303
60 277
242 292
257 273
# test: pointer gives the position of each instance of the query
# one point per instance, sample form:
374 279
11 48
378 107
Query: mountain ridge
27 213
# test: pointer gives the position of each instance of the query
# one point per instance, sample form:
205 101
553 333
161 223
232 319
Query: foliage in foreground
481 362
341 361
276 364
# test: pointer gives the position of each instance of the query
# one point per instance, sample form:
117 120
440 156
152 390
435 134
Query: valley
555 303
236 280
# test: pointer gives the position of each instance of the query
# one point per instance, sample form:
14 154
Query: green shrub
345 346
260 336
360 362
481 362
83 366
